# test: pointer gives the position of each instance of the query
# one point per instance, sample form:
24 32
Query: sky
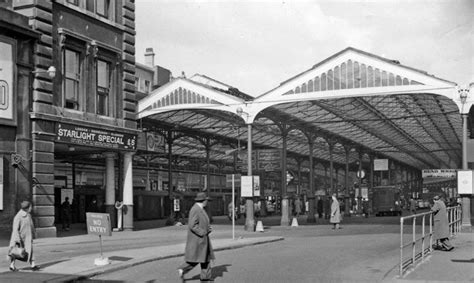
256 45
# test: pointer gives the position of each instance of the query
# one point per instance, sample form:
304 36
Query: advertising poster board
246 184
1 182
256 186
465 182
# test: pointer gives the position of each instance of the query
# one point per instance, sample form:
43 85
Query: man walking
412 206
198 245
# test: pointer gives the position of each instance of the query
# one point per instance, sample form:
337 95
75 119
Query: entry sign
98 224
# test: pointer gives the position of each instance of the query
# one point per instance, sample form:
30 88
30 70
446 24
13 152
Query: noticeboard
98 224
250 186
465 182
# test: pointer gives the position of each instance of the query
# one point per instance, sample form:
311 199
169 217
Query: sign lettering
98 224
94 137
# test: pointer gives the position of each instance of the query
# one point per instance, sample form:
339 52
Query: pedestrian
320 207
66 214
198 244
412 206
298 207
335 213
23 233
327 207
365 207
93 206
441 224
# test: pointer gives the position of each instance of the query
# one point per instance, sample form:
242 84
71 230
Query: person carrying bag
21 241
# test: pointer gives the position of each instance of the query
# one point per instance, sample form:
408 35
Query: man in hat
198 245
441 224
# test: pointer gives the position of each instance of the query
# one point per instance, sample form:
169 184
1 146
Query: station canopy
355 103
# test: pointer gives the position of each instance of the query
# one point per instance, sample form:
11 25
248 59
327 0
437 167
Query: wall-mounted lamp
51 72
463 92
241 111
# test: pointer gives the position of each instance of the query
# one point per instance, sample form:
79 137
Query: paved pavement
457 265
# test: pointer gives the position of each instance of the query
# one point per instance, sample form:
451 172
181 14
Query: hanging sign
380 164
82 135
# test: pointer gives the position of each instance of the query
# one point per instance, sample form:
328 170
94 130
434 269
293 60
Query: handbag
18 252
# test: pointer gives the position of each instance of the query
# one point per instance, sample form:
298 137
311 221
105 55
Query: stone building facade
83 118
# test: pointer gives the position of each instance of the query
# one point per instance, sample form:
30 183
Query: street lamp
249 220
466 201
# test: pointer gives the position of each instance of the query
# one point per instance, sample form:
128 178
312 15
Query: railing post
414 242
401 247
423 238
431 232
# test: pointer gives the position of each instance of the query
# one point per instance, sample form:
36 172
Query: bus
386 201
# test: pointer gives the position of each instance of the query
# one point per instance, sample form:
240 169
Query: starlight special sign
81 135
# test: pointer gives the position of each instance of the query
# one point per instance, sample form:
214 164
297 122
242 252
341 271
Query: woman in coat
198 245
23 233
441 224
335 213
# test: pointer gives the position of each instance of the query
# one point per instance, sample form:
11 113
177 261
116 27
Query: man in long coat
441 224
198 245
335 213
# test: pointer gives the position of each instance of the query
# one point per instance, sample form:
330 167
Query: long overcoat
440 220
335 212
198 245
23 232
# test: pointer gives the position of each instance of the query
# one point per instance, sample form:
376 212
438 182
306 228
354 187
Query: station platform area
454 266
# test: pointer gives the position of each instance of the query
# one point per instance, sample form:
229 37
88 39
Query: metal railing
420 243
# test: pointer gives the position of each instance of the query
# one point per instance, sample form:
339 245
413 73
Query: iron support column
249 220
466 199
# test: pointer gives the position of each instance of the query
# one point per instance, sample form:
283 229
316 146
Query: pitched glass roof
350 100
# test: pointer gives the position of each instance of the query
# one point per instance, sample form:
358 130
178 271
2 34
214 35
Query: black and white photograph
236 141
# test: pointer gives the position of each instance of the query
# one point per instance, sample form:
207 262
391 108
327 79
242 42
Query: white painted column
110 186
128 191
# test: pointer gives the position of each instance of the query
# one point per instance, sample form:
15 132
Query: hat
436 197
25 204
201 197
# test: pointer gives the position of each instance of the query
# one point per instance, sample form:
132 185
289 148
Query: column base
46 232
110 209
285 219
466 228
311 218
250 225
128 218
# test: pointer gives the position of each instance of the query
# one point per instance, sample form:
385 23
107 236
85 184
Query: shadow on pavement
217 271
